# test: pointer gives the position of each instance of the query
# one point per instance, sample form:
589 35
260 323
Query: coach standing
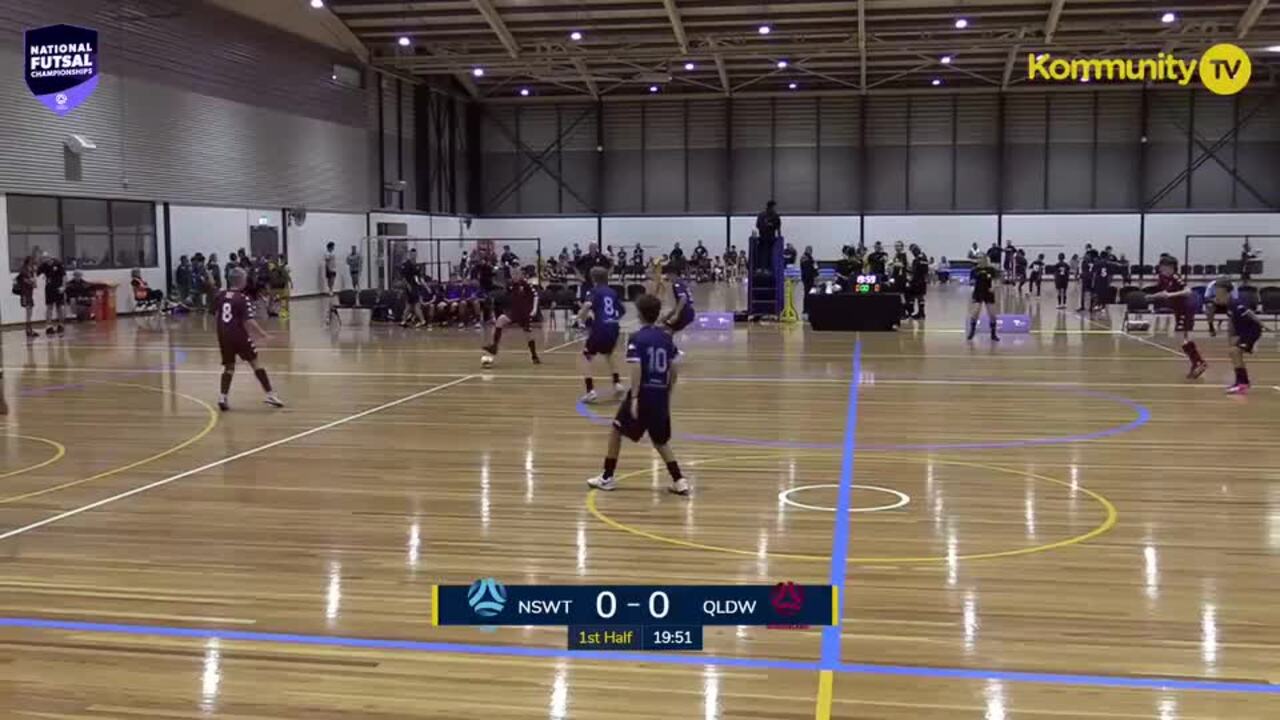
768 228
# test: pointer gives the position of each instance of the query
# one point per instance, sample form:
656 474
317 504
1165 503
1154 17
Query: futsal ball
486 361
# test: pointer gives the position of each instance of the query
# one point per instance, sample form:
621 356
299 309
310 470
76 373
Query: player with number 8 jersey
646 409
235 325
605 310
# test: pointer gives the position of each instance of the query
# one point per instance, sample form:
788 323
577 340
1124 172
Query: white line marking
1144 341
903 498
575 341
216 463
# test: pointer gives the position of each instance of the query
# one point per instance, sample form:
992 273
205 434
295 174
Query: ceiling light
792 86
689 66
782 64
764 30
653 88
1168 18
1042 56
945 60
575 36
1273 48
1084 78
961 23
936 82
404 41
524 92
478 72
317 4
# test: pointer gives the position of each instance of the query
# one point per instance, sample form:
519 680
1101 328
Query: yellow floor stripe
59 451
208 428
826 681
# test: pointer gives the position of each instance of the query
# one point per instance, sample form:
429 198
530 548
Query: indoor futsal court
947 333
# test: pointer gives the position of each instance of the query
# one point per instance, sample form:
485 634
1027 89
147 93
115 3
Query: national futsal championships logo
487 597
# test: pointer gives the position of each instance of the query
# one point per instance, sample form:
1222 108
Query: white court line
1126 333
217 463
575 341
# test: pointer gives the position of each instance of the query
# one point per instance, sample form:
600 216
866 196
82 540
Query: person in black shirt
55 274
808 273
1061 279
411 274
700 252
848 268
1020 268
993 253
876 261
1086 277
1037 273
918 282
789 255
984 278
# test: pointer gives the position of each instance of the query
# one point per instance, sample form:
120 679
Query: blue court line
937 673
844 504
1142 415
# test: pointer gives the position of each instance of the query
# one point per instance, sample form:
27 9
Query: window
88 234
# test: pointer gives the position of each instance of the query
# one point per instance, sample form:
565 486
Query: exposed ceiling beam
724 75
492 17
1051 25
590 82
1008 68
1251 15
677 25
862 44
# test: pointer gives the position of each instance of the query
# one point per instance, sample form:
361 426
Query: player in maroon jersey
522 303
1173 290
236 328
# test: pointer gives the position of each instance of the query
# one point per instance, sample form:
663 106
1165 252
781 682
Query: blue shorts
655 419
602 340
682 322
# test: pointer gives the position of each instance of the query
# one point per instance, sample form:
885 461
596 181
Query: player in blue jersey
647 407
681 314
1244 330
604 309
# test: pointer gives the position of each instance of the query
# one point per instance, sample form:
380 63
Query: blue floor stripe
844 504
936 673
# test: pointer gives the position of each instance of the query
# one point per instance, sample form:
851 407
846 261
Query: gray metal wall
195 105
1054 152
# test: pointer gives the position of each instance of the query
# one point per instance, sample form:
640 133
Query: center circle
1107 522
902 498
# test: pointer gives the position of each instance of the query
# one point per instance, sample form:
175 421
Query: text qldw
729 607
544 607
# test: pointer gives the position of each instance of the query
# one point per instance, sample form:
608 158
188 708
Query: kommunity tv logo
1223 69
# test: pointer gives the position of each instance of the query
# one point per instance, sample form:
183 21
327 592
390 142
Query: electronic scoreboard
634 617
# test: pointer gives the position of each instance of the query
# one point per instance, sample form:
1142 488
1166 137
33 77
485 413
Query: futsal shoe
223 405
679 487
619 391
601 482
1238 389
490 349
273 401
1197 369
49 331
590 398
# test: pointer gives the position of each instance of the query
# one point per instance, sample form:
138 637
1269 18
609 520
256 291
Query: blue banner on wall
60 64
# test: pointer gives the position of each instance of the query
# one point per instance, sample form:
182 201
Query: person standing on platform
768 229
808 274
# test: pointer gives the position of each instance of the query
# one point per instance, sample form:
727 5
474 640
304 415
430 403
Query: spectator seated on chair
79 296
144 298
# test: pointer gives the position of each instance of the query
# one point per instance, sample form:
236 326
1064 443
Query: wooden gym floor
1079 532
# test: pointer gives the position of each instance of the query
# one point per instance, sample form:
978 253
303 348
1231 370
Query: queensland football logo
787 599
487 597
60 65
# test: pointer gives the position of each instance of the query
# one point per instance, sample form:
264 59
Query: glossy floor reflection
1062 503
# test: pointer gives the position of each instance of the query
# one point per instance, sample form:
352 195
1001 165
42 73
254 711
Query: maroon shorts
524 322
232 350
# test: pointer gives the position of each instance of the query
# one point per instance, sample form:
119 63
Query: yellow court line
435 605
835 605
1112 516
826 681
59 451
208 428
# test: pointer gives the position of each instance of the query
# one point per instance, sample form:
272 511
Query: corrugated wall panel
1070 167
203 106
